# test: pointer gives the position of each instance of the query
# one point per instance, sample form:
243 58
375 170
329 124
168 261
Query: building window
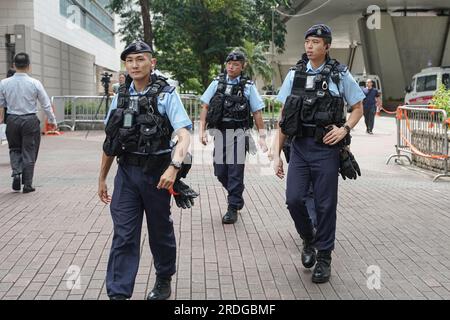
94 17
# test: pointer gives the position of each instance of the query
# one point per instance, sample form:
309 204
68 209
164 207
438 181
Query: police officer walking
20 94
229 105
313 114
139 127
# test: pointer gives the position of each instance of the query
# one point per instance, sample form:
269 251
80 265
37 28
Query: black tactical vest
311 102
229 108
137 126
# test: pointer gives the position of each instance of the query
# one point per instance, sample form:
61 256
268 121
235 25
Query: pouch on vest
111 145
308 109
323 118
215 111
290 118
338 105
240 107
146 137
128 139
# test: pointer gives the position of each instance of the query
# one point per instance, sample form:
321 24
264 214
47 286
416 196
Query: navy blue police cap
136 47
235 56
320 31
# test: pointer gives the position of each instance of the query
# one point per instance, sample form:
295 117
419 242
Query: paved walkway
393 217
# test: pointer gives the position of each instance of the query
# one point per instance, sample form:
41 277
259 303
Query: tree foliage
193 37
257 63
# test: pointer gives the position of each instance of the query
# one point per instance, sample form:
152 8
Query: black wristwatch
347 127
176 164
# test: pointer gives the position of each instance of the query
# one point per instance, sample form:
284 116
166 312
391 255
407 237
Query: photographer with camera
106 81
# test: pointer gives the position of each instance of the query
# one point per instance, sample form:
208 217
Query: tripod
105 82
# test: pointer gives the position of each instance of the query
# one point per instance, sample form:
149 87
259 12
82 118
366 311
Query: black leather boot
16 185
28 189
322 271
118 297
162 289
308 254
231 216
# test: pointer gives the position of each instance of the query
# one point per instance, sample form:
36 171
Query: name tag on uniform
310 82
229 90
134 101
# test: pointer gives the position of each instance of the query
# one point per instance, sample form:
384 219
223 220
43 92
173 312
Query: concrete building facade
70 42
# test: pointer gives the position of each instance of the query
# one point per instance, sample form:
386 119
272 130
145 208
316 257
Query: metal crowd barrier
70 110
192 104
422 132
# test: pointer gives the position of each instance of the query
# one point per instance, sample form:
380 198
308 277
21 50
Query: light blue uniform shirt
20 94
168 103
348 87
250 92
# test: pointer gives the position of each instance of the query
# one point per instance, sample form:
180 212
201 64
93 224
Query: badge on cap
138 46
319 32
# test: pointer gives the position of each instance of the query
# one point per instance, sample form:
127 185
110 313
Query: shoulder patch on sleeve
342 68
168 89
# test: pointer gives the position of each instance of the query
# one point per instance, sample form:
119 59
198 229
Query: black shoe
231 216
118 297
308 254
322 271
28 189
16 185
161 291
370 132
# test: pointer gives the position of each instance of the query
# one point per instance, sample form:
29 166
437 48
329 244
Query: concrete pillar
382 57
446 53
23 38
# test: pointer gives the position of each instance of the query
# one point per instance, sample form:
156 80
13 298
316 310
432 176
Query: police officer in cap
139 127
230 105
313 114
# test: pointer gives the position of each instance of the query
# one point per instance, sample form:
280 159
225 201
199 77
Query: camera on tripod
106 80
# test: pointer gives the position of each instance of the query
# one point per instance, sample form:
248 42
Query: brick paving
393 217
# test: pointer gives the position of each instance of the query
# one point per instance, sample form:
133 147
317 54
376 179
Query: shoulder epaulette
168 89
220 77
341 68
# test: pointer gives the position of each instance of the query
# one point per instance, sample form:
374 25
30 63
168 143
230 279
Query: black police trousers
24 138
315 163
134 193
229 163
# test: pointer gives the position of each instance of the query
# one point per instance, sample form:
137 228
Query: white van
425 83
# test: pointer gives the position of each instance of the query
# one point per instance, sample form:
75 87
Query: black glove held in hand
185 195
348 167
355 164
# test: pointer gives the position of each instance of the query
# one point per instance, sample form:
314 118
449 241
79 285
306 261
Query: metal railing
72 110
422 132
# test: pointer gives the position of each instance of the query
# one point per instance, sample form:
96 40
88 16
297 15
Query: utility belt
318 133
132 159
233 124
151 164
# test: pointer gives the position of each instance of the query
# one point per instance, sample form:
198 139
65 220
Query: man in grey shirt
20 95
